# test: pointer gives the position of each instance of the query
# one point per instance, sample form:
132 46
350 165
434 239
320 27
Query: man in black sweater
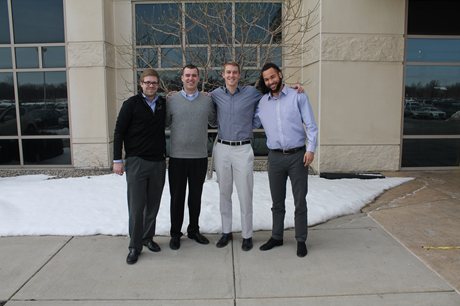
140 129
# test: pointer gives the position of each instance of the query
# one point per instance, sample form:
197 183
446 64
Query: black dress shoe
152 245
247 244
224 240
198 238
174 243
301 249
132 256
270 244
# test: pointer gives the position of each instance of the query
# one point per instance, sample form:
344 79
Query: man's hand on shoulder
299 88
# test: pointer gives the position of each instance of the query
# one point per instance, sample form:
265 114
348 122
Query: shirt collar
148 100
238 89
188 96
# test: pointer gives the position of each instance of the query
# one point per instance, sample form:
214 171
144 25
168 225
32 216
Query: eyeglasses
150 83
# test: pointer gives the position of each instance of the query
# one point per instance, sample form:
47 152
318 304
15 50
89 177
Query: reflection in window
46 151
53 57
5 58
147 58
42 86
8 122
4 23
43 103
252 27
27 57
432 103
208 23
157 24
6 88
431 153
38 21
9 152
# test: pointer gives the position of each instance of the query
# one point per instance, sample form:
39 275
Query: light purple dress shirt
288 120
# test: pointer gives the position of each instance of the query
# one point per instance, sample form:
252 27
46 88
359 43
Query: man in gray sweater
188 115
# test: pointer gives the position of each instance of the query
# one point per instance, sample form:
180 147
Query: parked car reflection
34 121
428 112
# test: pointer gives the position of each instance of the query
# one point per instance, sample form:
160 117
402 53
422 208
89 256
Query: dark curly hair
261 83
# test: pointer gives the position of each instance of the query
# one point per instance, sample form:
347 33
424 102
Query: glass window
271 55
43 102
6 88
27 57
221 55
433 17
170 78
38 21
432 103
431 153
433 50
53 57
8 121
4 23
246 56
259 144
147 58
158 24
9 152
208 23
171 57
46 151
196 56
257 22
5 58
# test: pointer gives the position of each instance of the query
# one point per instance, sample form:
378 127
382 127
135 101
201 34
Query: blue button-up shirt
288 120
152 103
189 97
235 112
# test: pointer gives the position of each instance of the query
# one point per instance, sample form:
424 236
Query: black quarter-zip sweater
140 130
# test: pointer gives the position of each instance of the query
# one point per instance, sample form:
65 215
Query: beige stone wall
352 71
356 73
91 59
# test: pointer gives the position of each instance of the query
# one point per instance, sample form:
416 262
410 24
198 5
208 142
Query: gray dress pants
280 167
145 180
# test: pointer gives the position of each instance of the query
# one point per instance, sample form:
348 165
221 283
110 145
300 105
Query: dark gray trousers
280 167
145 180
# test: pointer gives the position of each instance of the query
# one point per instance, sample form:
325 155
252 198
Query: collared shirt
152 103
189 97
284 118
235 112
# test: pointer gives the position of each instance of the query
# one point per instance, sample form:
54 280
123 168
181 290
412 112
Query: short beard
278 87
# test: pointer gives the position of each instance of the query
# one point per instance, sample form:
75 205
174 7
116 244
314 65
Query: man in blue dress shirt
233 153
291 131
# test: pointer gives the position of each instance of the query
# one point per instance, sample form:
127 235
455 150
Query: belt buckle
286 152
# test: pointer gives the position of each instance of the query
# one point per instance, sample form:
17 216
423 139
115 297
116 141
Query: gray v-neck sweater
188 121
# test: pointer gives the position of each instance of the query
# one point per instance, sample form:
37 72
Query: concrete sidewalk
362 259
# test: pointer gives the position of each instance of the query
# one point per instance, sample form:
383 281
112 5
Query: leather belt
289 151
233 143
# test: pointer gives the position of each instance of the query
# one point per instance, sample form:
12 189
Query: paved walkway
372 258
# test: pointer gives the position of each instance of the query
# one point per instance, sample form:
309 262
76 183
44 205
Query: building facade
383 81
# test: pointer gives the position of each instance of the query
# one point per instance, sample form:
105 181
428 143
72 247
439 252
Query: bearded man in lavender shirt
291 131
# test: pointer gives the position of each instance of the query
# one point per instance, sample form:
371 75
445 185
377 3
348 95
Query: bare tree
208 34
